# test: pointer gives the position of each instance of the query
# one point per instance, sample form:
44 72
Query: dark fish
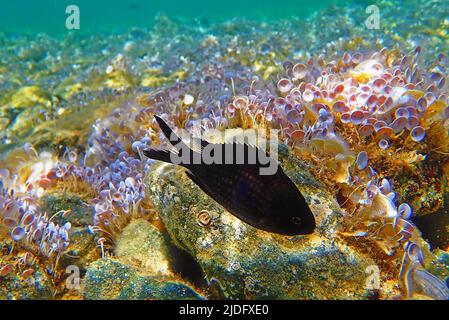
268 202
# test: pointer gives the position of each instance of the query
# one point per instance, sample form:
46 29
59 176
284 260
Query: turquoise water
49 15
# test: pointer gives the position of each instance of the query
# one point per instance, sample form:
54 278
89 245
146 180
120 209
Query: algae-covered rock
34 52
439 266
140 244
110 279
254 264
16 287
4 122
25 109
80 213
140 269
82 250
31 96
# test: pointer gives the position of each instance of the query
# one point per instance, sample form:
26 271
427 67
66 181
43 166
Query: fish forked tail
155 154
168 132
161 154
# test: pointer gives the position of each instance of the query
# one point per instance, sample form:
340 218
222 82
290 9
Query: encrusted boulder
83 248
254 264
110 279
15 285
141 245
80 213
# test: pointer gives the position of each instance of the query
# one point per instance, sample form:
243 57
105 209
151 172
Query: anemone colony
371 122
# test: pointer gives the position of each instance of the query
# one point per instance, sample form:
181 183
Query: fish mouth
306 228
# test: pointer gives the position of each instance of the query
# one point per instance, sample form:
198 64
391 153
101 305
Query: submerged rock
17 287
30 96
110 279
141 245
82 250
80 213
140 269
254 264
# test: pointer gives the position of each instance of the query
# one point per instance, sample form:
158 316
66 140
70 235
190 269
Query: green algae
80 213
16 287
110 279
82 251
142 245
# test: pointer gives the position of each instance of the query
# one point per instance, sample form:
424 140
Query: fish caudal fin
155 154
168 132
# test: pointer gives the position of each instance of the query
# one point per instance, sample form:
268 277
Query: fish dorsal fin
247 146
196 143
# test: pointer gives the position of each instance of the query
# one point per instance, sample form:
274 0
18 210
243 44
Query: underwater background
103 16
357 90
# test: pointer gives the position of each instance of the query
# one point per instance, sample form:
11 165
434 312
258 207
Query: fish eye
296 220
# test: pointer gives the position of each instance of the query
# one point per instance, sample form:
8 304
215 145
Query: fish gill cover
357 95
